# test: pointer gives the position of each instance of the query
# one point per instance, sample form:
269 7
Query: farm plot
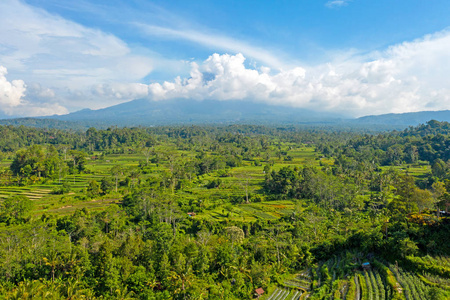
414 287
37 191
443 261
251 211
293 288
302 281
340 278
284 294
32 192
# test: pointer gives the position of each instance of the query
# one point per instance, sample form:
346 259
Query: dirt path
358 288
344 291
62 207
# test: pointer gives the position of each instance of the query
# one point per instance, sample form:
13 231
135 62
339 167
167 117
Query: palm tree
124 294
30 290
182 281
70 261
53 262
72 291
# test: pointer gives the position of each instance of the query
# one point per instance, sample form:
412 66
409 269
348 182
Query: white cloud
11 93
17 100
214 40
408 77
36 91
37 46
121 90
336 3
30 109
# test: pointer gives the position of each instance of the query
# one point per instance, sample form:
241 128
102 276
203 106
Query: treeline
428 143
13 138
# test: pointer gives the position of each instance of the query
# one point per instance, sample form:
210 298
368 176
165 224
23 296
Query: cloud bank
408 77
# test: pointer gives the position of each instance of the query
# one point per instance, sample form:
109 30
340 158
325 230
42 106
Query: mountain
405 119
143 112
182 111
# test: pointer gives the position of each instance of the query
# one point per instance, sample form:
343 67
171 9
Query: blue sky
355 57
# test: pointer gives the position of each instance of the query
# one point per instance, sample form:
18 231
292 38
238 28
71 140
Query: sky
351 57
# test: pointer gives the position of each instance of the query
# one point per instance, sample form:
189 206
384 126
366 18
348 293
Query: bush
16 209
223 173
215 183
62 189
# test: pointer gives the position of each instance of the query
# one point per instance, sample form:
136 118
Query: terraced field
33 193
36 192
300 281
293 288
264 210
379 282
284 293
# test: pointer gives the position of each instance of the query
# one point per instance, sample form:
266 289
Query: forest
225 212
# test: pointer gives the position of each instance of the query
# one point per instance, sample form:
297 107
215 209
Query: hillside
405 119
143 112
180 111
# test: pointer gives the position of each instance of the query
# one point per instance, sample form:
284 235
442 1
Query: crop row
429 265
384 281
413 286
437 260
298 283
433 280
282 294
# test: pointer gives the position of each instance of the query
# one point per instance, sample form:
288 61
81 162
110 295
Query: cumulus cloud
19 100
225 77
11 93
408 77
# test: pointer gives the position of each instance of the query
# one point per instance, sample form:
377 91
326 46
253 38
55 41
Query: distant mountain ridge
143 112
406 119
185 111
